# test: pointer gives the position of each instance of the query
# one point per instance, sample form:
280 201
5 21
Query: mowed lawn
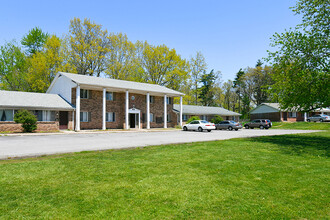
278 177
302 125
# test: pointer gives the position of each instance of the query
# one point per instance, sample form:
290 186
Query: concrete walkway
37 145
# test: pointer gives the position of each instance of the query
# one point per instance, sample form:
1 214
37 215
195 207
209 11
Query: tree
46 63
88 47
163 66
121 61
238 84
13 67
301 63
217 119
206 91
198 67
34 40
27 119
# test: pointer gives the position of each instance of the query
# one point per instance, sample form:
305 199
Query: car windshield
204 122
233 122
324 115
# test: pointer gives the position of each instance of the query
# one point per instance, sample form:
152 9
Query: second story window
84 94
169 100
110 96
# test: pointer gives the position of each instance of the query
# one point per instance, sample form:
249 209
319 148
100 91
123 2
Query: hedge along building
48 108
205 112
103 103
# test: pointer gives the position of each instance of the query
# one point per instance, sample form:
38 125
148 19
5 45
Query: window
151 117
110 117
152 99
292 114
110 96
168 117
44 115
6 115
169 100
85 116
203 117
184 117
84 94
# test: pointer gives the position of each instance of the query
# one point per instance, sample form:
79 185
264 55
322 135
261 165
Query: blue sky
230 34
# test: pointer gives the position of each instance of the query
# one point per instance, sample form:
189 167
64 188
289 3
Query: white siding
63 86
263 109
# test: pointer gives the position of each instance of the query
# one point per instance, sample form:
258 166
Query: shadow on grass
316 145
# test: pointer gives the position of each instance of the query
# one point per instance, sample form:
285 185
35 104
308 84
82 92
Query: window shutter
113 116
81 116
107 116
114 96
89 116
143 117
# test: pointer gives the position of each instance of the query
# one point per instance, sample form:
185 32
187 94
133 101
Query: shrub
217 119
27 119
192 118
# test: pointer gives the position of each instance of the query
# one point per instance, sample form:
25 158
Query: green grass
278 177
301 125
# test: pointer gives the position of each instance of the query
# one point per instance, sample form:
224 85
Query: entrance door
64 119
132 120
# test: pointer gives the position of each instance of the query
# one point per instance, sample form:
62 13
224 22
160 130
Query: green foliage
198 67
88 47
34 40
277 177
217 119
301 63
13 68
27 119
206 90
193 118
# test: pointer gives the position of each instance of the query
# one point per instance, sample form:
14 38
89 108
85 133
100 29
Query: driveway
36 145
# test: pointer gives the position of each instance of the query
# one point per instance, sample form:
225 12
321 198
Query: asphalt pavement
37 145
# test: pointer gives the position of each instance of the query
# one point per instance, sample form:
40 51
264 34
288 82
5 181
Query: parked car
320 118
199 125
258 123
230 125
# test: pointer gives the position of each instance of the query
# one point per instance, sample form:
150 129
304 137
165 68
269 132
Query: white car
199 125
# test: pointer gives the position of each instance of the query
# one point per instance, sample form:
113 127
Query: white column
181 111
139 120
165 111
72 120
126 110
148 110
104 109
305 116
78 108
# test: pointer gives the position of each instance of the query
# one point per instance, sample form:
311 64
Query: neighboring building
205 112
50 109
273 112
103 103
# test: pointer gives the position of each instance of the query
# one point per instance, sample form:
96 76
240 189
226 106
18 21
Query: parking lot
36 145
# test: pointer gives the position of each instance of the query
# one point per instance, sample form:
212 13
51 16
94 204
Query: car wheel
321 120
209 130
261 127
185 128
308 120
230 128
200 129
236 129
247 127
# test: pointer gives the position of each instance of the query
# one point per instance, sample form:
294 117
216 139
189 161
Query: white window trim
82 118
112 94
8 110
82 92
110 113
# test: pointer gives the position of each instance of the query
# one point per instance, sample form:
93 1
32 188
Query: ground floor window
151 117
43 115
168 117
203 117
85 116
292 114
6 115
184 117
110 117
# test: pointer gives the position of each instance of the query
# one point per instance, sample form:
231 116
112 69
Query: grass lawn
301 125
278 177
